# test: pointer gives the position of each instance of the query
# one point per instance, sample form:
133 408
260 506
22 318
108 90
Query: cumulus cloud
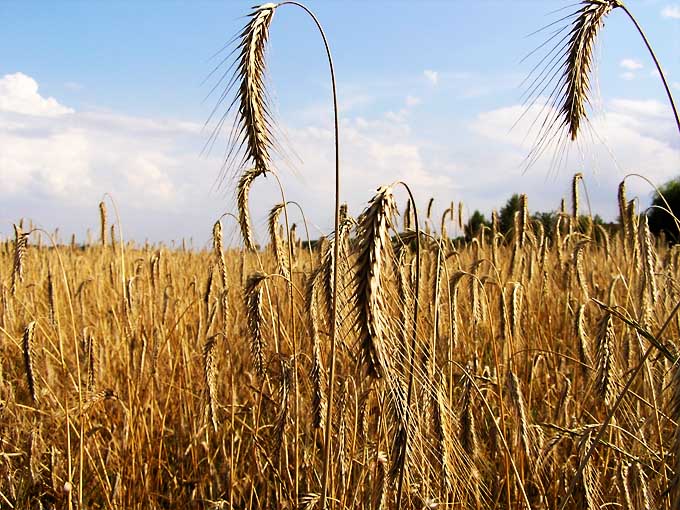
630 64
55 167
630 136
19 94
56 163
671 11
431 76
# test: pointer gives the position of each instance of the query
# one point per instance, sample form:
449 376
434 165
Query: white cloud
628 76
671 11
676 85
631 136
57 163
630 64
19 94
431 76
55 170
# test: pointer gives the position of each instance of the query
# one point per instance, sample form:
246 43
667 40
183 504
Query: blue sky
100 97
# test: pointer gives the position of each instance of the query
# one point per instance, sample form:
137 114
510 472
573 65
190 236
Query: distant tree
507 214
548 220
661 220
474 224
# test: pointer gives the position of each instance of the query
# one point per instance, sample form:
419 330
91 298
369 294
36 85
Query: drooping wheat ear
374 242
253 295
210 372
573 88
242 199
583 340
444 435
102 223
605 360
219 252
649 258
29 356
316 373
517 401
251 136
277 242
623 211
20 244
574 195
91 366
579 267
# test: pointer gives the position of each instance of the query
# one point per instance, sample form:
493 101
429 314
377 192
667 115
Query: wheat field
388 365
148 377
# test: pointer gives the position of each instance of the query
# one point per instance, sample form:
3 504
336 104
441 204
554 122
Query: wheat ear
20 244
253 294
277 242
374 225
102 223
29 356
242 199
574 87
210 371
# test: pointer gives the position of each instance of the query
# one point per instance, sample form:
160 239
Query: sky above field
112 97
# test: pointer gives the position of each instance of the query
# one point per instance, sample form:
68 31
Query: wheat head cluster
387 365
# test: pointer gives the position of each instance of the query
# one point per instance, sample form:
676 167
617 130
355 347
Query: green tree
474 224
507 214
659 219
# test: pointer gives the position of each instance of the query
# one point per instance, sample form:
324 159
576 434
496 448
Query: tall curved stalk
412 350
253 139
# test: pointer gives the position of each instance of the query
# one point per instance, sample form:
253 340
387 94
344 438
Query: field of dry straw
385 366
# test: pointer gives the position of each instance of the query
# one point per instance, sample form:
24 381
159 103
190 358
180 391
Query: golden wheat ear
566 67
250 140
